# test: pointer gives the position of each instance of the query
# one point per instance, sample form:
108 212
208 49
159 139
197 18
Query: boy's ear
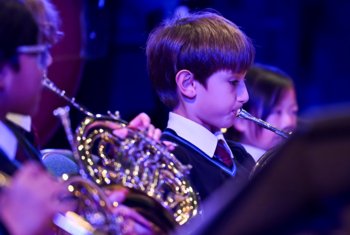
186 83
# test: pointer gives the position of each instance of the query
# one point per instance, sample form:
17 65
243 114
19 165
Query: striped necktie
222 153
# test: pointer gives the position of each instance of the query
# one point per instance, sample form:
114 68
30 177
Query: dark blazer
56 162
6 165
26 147
9 168
206 174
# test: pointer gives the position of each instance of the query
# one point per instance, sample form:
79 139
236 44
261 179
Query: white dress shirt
196 134
24 121
8 141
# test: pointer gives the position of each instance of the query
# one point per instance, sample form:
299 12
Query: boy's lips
237 111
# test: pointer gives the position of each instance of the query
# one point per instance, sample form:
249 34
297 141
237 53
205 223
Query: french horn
73 223
158 186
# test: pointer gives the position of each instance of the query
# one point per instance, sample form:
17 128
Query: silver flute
245 115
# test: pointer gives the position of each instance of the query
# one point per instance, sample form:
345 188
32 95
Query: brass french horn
158 183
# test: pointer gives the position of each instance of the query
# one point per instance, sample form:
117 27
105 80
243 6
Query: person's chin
228 123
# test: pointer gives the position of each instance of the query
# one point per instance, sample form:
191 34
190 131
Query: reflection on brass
108 153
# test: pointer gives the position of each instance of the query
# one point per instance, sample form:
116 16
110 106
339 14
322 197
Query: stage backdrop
65 70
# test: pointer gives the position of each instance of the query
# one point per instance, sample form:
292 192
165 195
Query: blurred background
101 58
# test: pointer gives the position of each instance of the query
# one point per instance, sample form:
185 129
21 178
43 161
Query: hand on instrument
30 201
132 221
142 122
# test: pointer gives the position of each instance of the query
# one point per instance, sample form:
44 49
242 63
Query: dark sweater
206 175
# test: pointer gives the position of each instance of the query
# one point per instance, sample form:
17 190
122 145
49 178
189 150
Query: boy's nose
242 94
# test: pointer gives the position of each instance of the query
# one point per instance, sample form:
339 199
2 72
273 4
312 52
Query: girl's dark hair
202 43
17 28
266 86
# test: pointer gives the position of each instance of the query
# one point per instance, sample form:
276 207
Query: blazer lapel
170 134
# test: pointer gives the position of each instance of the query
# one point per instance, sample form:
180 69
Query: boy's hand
133 222
142 122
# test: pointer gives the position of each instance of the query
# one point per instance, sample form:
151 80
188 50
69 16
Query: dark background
308 39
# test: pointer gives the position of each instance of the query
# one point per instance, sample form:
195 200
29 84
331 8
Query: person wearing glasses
49 22
31 198
27 202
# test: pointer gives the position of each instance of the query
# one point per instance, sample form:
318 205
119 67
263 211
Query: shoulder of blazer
184 150
241 155
6 165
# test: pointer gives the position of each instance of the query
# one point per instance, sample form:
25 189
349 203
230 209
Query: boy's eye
234 82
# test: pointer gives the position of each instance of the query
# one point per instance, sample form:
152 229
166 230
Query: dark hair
266 86
17 28
47 18
202 43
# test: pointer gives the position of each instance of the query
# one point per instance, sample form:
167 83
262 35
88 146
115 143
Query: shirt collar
194 133
8 141
23 121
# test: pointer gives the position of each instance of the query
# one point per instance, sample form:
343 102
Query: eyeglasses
41 50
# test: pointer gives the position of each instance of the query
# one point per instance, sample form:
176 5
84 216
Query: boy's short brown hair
202 43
